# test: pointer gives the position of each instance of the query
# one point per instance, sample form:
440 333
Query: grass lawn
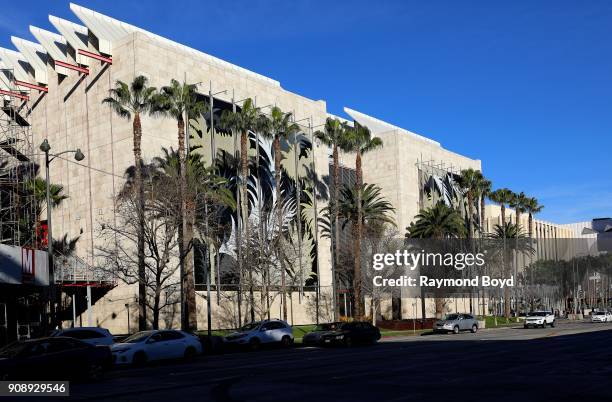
501 322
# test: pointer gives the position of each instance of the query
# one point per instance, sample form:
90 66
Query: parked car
601 316
455 323
350 333
90 335
257 333
146 346
53 358
315 337
539 319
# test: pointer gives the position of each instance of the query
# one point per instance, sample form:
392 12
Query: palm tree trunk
142 290
189 269
357 242
482 213
279 212
244 200
471 214
336 256
185 237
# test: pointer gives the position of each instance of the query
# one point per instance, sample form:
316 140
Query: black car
346 334
316 336
56 358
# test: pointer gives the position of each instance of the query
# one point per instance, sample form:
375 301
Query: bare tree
119 241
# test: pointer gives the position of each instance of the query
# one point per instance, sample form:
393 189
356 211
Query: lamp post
78 156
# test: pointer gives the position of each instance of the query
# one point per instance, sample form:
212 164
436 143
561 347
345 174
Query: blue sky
525 86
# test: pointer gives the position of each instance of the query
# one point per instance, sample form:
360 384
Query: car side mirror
263 329
151 340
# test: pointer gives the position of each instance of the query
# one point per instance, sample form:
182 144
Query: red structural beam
96 56
71 67
31 86
14 94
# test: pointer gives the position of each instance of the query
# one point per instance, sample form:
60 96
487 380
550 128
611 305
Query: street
572 361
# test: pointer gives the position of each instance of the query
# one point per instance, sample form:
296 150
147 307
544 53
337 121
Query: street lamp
78 156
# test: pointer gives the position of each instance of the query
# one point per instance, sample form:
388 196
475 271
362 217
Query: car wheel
254 344
140 359
348 341
95 372
456 330
552 324
190 354
526 326
474 328
286 341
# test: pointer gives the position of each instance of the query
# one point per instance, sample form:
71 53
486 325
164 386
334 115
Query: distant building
595 236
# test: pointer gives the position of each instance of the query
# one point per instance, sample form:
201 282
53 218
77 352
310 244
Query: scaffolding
19 212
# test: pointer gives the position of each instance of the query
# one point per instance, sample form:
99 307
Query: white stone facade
71 115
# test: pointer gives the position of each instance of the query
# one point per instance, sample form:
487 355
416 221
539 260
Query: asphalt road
570 362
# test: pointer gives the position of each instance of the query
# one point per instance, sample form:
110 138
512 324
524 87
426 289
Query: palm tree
470 182
180 102
129 102
375 209
502 196
437 222
242 121
279 126
484 191
37 187
532 207
518 202
360 141
334 135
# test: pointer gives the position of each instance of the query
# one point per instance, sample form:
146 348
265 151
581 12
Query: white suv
539 319
257 333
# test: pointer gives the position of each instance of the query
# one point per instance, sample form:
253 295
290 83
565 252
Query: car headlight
448 325
339 337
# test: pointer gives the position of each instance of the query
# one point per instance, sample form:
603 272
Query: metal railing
73 269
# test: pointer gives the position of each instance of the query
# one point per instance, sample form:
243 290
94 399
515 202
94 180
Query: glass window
83 334
171 335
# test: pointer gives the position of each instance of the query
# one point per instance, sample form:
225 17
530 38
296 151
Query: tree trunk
185 237
244 200
482 213
156 301
335 201
189 269
279 212
471 215
357 233
142 290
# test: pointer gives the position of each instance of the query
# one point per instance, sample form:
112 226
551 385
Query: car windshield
537 314
452 317
249 327
138 337
327 327
13 349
